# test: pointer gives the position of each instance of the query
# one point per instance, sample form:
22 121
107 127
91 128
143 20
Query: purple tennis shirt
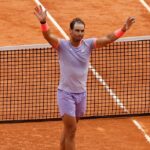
74 62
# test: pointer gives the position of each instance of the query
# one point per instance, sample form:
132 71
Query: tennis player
74 55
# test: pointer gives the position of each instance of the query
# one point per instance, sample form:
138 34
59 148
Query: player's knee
71 131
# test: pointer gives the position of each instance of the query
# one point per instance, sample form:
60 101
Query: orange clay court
19 26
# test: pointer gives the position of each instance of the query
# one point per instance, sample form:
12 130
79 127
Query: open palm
128 23
40 14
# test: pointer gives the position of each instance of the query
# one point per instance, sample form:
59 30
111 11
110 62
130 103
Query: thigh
66 103
81 105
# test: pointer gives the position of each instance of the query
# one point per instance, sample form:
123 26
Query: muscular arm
41 16
103 41
52 39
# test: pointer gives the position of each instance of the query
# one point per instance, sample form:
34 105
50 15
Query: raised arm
41 16
103 41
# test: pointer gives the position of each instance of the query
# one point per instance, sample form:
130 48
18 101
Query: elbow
112 38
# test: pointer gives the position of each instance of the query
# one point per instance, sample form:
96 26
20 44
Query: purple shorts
73 104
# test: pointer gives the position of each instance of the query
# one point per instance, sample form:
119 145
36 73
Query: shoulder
62 43
91 42
89 39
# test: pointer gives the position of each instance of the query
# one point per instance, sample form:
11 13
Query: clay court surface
19 26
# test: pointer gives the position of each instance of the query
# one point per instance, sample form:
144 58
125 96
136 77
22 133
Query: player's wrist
44 27
43 22
123 29
119 32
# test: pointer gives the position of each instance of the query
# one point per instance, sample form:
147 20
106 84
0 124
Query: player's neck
75 43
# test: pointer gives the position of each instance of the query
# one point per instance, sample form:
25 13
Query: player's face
77 33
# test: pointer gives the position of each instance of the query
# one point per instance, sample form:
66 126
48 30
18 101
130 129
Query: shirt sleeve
91 42
61 44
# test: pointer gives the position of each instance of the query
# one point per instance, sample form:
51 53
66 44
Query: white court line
99 77
145 5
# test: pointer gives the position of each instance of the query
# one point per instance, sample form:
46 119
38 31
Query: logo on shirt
83 50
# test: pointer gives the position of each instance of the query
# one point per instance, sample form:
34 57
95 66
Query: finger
129 24
41 9
129 19
45 12
37 9
132 18
38 16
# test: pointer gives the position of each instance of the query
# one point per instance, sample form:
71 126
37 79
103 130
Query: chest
81 53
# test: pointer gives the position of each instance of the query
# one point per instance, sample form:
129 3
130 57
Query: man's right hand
40 14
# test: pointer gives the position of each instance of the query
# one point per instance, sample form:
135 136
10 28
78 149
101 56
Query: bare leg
62 141
68 135
77 119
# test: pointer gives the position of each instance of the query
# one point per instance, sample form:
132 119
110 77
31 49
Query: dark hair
76 20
